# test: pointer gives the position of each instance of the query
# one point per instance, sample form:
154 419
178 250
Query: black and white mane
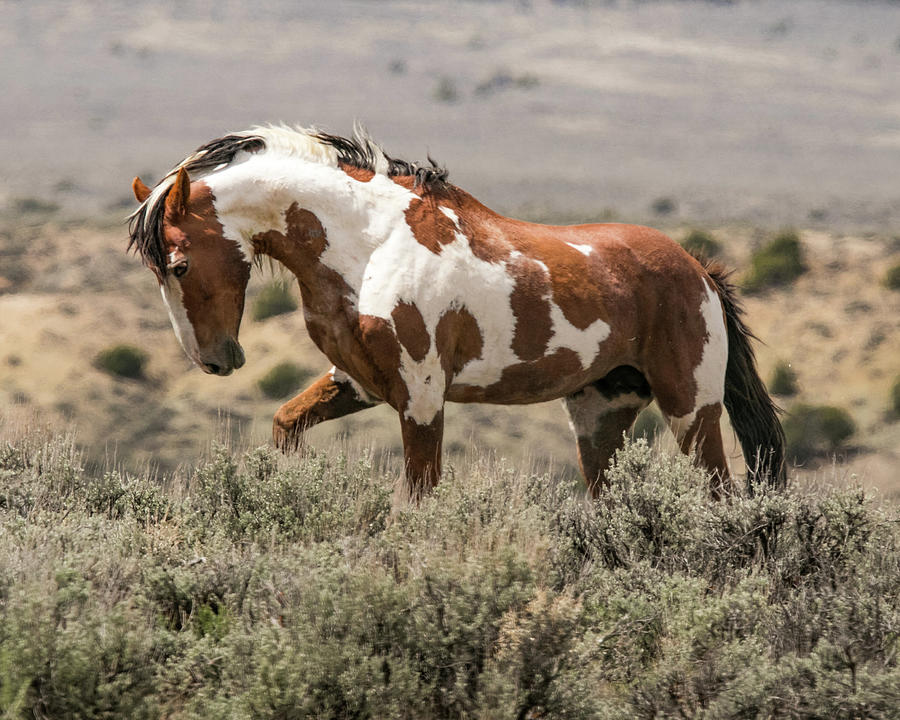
145 225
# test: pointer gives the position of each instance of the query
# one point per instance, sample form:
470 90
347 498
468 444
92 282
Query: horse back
578 301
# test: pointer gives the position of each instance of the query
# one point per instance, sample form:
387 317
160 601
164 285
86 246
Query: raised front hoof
287 437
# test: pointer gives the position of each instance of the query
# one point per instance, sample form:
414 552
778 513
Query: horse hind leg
699 434
600 414
691 395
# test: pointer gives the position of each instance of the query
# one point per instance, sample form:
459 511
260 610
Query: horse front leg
333 395
422 454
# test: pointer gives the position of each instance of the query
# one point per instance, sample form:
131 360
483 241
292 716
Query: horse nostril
238 357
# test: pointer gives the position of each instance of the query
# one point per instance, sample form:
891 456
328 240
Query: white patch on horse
426 383
173 298
584 342
565 335
450 213
585 408
401 268
709 375
585 250
243 207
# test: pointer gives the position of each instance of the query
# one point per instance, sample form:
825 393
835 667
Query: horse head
202 275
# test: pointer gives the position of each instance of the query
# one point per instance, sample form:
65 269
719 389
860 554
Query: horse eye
180 269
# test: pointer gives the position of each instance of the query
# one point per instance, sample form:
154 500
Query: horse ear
141 191
176 202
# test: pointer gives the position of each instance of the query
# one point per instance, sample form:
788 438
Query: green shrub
664 205
265 586
784 380
446 91
895 397
892 277
122 361
283 380
274 299
701 244
778 263
812 430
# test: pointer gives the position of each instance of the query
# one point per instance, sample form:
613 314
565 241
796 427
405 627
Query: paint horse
419 295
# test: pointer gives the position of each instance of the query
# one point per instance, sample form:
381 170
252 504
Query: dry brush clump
274 299
256 586
776 264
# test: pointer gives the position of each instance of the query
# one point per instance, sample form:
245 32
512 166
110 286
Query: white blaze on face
709 375
184 331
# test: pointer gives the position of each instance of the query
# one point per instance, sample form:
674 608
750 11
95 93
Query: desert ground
736 118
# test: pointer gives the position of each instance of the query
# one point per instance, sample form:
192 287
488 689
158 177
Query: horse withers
419 295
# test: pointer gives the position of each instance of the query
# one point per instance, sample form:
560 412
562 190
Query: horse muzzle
224 360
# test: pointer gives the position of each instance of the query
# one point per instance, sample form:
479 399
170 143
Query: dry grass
253 585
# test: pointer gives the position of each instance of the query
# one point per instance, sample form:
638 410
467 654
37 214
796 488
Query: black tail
753 415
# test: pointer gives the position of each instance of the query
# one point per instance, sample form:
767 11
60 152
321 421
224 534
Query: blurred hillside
766 111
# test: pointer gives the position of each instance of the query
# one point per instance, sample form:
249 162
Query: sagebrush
777 263
256 586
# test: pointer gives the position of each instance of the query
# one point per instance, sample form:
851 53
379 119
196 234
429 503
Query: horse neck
310 217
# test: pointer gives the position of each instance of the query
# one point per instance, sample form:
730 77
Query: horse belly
553 375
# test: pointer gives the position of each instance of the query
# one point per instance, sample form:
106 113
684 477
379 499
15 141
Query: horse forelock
146 223
145 228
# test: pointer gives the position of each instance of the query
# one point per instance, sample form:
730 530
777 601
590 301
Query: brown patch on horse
573 295
482 227
422 453
213 289
411 331
531 308
357 173
430 226
304 227
573 290
459 340
382 353
543 379
305 240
